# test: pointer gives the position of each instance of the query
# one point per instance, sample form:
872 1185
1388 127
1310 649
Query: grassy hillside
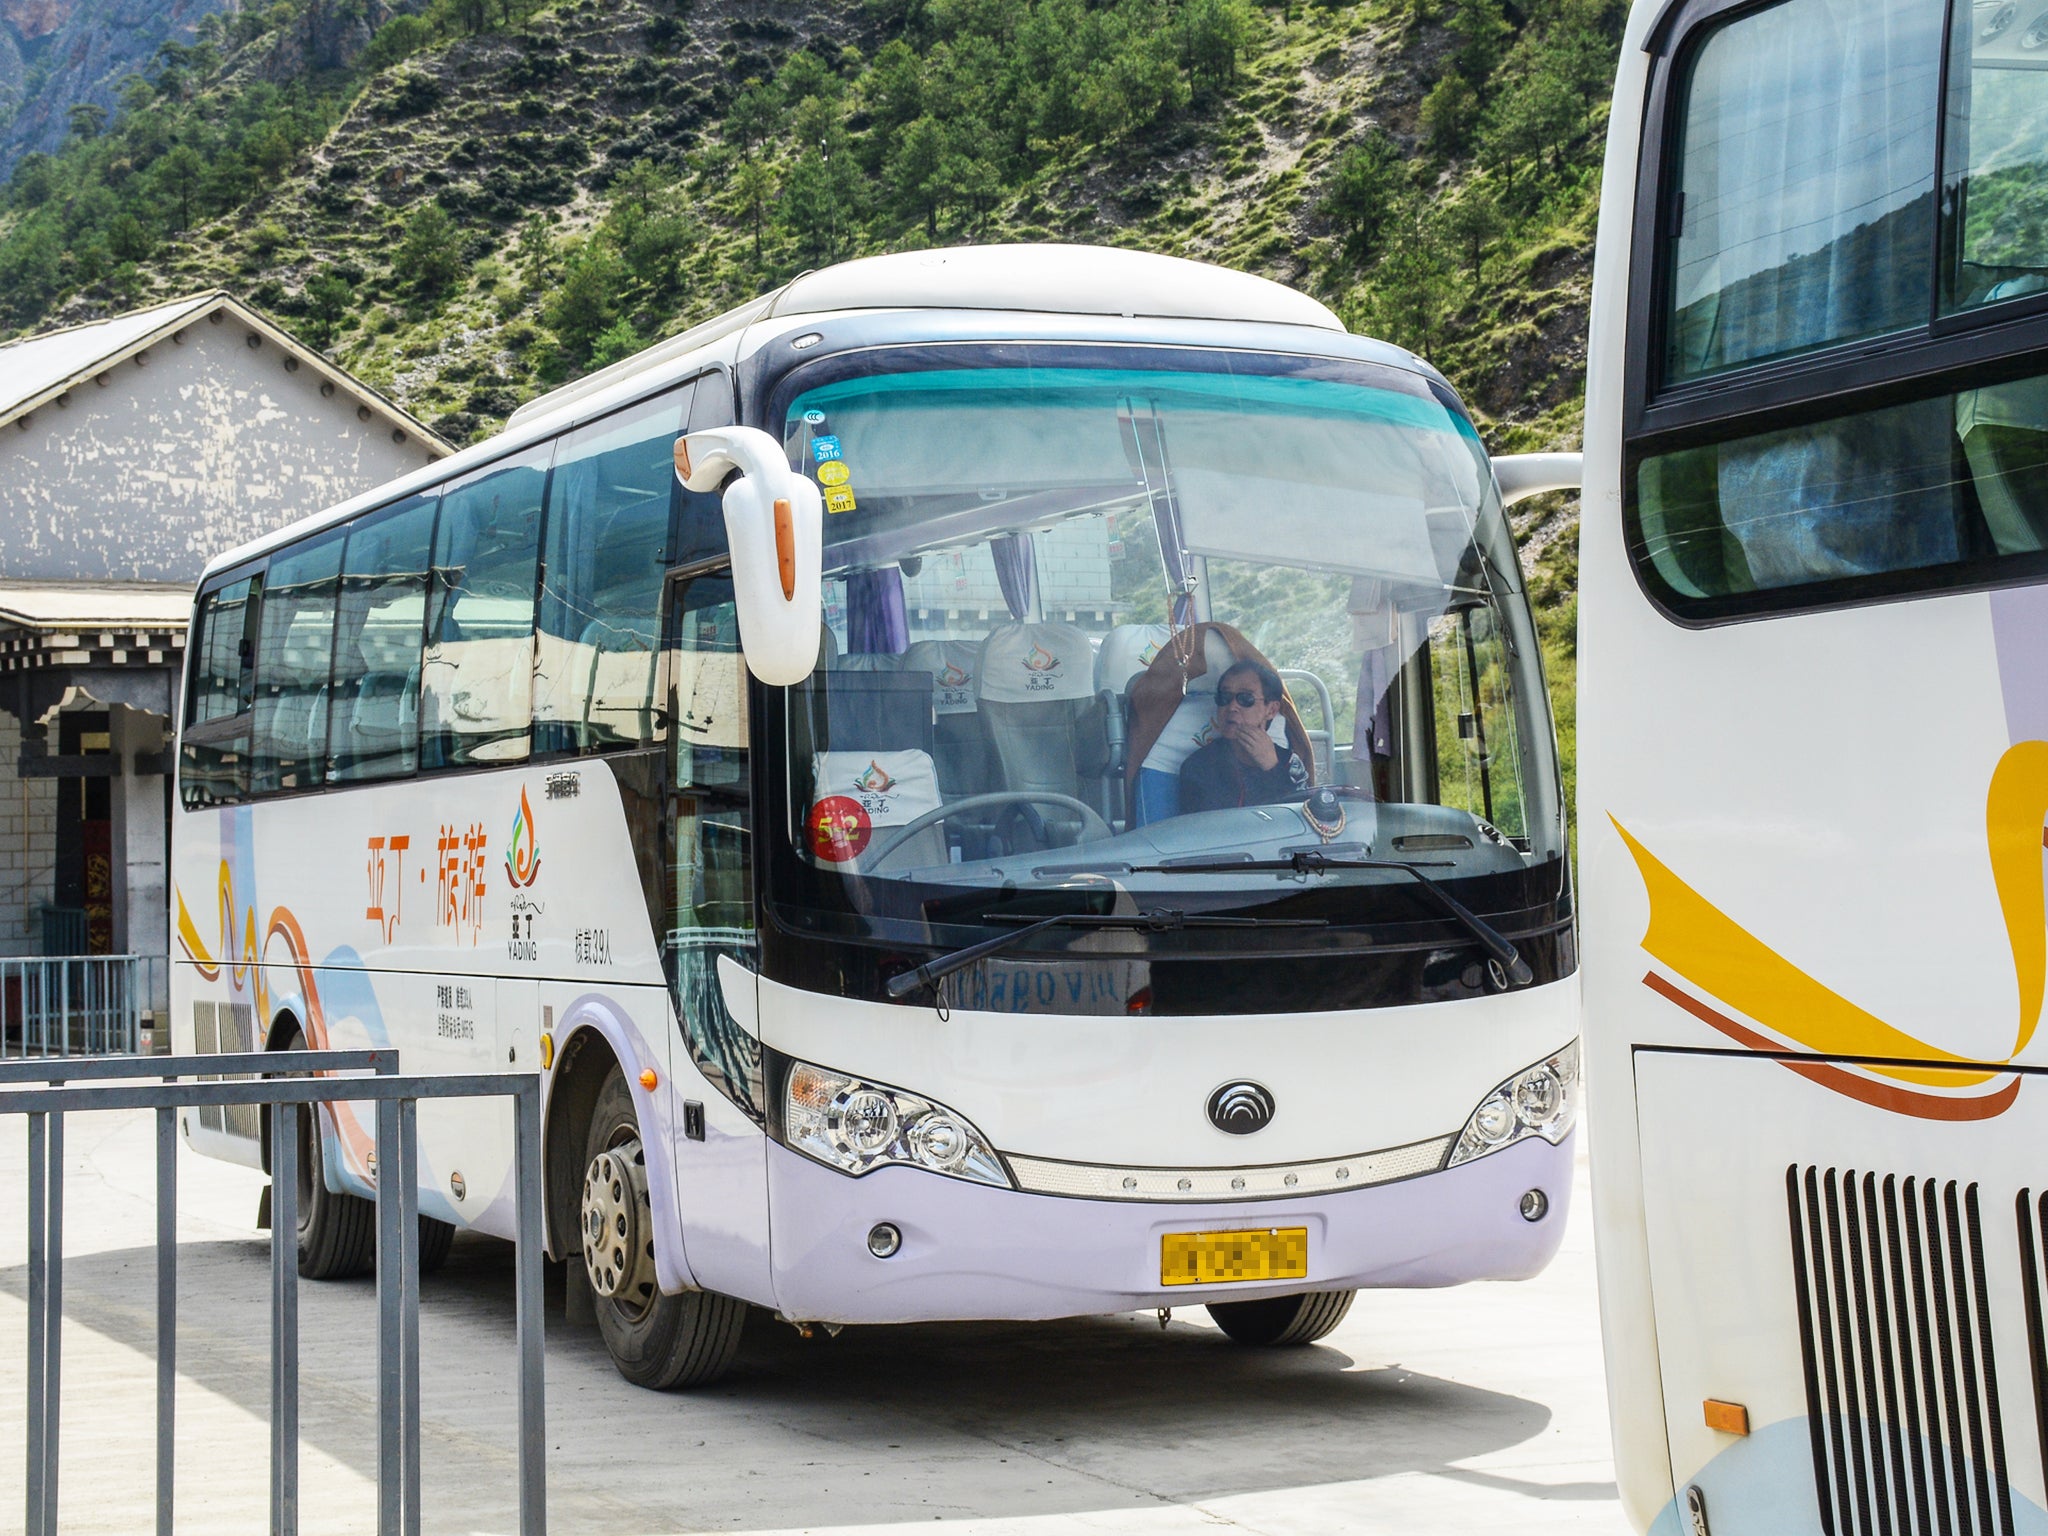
469 200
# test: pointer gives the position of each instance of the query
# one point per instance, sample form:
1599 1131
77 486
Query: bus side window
215 766
709 883
294 642
610 498
476 679
1477 753
373 695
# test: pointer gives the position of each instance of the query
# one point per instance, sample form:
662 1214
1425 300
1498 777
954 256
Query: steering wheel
1092 824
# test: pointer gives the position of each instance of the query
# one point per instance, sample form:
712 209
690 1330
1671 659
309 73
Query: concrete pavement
1449 1411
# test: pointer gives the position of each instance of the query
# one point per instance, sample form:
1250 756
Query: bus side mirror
775 528
1522 475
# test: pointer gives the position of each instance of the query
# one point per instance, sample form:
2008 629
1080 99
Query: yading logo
1205 735
1149 655
954 677
1041 660
522 848
876 781
1241 1107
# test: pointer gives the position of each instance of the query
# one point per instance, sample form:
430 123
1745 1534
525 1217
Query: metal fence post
409 1307
166 1315
533 1483
390 1383
38 1280
284 1320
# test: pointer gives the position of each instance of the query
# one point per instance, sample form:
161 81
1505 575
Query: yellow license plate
1218 1258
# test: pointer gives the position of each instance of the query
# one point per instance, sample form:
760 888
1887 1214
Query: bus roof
1032 279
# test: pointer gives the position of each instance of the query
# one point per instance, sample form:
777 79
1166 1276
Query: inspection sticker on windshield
839 499
825 449
1219 1258
834 472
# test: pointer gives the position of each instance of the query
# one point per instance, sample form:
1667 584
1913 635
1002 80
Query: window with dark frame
1794 250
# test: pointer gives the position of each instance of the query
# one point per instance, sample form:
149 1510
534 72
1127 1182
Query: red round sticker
840 828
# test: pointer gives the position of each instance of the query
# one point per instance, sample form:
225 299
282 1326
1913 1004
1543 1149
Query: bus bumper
970 1251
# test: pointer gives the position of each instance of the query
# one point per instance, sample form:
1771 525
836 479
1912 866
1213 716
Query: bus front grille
1895 1335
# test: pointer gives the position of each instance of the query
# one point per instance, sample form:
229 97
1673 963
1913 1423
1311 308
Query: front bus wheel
1277 1320
656 1341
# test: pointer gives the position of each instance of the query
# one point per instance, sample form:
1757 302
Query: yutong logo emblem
1241 1108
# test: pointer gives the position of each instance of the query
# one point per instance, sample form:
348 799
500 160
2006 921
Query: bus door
708 943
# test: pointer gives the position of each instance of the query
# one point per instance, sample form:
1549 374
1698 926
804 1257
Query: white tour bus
1813 732
777 742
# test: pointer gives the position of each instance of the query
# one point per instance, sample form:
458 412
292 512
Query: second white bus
776 741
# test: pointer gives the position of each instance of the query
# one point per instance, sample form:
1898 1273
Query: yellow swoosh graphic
2013 813
1710 949
1701 943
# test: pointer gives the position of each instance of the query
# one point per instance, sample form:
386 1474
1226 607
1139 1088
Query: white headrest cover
1036 664
953 664
892 788
1126 651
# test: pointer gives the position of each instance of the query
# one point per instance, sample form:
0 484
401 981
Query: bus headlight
854 1126
1542 1100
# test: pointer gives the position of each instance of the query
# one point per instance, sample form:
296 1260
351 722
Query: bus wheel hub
618 1232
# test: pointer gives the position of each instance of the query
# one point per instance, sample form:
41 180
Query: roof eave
216 300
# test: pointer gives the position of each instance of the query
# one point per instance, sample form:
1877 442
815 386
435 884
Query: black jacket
1215 776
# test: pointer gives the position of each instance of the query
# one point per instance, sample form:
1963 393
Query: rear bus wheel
338 1232
1281 1320
337 1235
656 1341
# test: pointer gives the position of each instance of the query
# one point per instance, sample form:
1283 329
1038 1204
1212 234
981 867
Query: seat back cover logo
1241 1107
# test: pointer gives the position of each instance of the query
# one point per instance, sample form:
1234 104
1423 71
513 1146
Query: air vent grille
1901 1379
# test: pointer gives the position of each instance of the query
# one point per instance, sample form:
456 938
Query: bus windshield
1109 623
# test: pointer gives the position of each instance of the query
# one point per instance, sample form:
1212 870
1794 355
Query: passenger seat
1036 691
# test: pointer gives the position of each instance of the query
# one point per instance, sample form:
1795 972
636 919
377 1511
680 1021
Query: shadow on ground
927 1421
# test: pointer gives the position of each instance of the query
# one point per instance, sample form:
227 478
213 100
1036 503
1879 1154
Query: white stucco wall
205 444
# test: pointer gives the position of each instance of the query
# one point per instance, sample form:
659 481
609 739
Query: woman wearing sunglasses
1242 764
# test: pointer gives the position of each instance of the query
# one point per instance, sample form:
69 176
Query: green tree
536 251
1212 34
754 117
754 186
328 297
128 239
1364 191
87 119
181 173
585 305
814 208
616 343
1472 222
918 170
430 251
1449 112
31 275
1483 34
655 251
35 180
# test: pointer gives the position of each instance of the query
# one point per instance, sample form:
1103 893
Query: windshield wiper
1309 861
1152 920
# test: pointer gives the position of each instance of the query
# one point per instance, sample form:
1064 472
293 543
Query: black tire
665 1343
337 1233
1283 1320
436 1238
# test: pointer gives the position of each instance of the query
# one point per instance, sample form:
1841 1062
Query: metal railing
46 1091
77 1005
